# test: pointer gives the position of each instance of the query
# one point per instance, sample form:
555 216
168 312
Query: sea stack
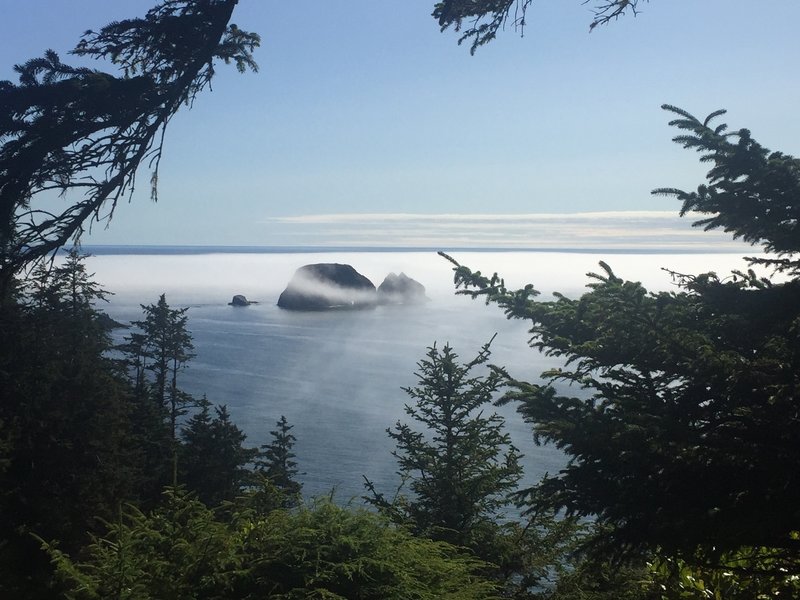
401 289
328 286
239 300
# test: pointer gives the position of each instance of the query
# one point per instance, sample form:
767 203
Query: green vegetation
687 446
461 468
696 385
70 440
214 461
185 550
115 483
163 347
276 462
458 464
100 127
78 437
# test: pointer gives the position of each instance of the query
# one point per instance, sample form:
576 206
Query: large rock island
327 286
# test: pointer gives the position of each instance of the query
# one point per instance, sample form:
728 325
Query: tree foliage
163 347
461 467
276 462
742 574
66 287
588 579
751 192
214 460
184 550
688 436
70 446
84 133
206 453
480 20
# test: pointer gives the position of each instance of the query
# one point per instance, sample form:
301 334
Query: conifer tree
166 344
65 295
461 466
67 285
78 129
688 442
276 462
214 456
69 450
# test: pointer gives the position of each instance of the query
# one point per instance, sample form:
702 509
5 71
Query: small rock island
401 289
240 300
328 286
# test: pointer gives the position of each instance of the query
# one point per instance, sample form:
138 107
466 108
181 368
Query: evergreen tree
69 449
689 437
65 286
214 458
79 129
65 296
69 437
461 467
751 192
276 462
164 347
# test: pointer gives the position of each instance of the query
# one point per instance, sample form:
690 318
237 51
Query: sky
367 126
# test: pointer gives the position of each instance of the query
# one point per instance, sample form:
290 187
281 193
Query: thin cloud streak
469 217
613 230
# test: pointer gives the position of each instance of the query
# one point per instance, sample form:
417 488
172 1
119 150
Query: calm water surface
337 376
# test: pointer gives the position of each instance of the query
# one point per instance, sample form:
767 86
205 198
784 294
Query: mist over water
337 376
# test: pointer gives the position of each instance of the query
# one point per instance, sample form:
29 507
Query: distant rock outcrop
239 300
108 323
327 286
401 289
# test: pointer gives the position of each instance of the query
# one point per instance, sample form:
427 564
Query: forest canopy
681 445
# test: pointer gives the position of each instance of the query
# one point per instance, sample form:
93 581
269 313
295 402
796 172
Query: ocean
338 376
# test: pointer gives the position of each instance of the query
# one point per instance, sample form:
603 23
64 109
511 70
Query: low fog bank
214 278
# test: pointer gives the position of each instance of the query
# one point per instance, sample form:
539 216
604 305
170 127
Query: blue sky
363 113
